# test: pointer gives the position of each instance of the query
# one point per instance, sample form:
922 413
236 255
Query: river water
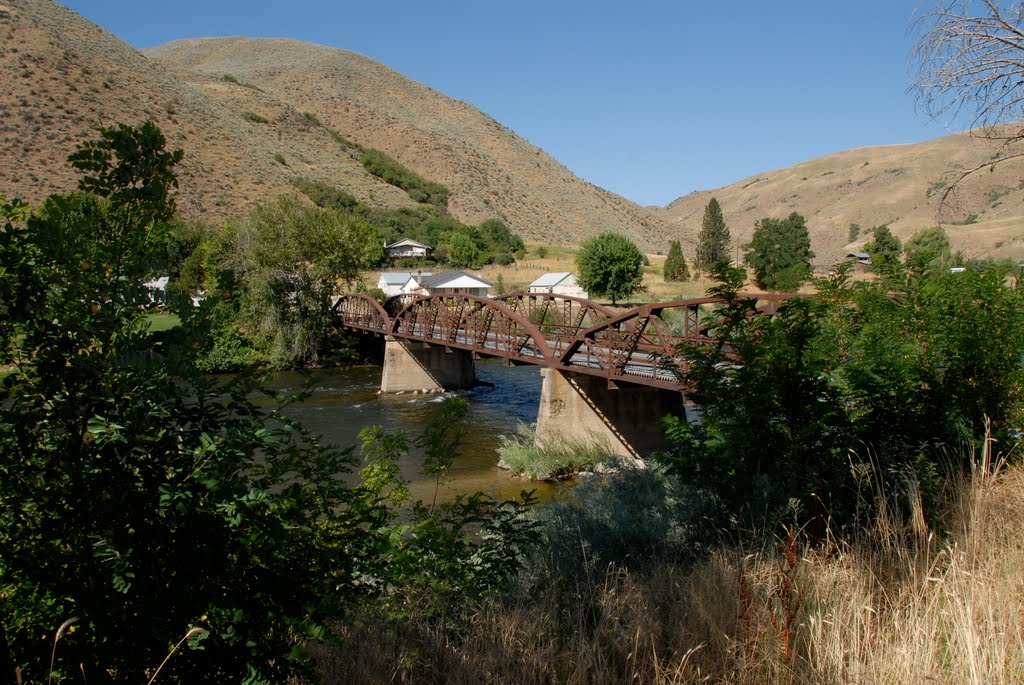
343 401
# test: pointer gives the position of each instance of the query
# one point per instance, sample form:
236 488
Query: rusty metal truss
639 346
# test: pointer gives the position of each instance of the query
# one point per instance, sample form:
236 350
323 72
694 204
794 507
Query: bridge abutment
414 366
582 408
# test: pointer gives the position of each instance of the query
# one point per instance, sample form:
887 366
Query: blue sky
651 100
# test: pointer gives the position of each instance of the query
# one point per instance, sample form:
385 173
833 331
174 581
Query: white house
406 247
447 283
157 290
394 282
559 283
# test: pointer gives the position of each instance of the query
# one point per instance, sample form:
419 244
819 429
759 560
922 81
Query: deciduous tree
288 259
927 249
609 265
780 253
970 63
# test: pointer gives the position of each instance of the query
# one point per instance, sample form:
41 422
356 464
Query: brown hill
898 185
488 169
61 76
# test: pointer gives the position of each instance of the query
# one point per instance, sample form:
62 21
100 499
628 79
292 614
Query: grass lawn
161 321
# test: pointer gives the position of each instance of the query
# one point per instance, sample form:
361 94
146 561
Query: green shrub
254 118
627 518
324 195
393 173
552 461
279 158
231 79
229 351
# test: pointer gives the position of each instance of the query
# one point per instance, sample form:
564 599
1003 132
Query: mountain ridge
279 114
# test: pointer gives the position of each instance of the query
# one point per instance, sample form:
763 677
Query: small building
558 283
860 260
407 247
394 282
448 283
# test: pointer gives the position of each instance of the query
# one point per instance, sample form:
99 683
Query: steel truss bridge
637 346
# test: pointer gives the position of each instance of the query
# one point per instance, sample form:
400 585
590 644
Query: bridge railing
640 345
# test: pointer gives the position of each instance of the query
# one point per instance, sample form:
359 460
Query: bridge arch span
482 325
362 312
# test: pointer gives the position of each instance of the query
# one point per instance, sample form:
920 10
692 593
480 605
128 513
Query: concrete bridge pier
583 408
414 366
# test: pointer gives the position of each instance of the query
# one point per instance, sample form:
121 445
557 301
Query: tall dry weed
901 604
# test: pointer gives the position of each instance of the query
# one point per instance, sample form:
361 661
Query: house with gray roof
449 283
407 247
558 283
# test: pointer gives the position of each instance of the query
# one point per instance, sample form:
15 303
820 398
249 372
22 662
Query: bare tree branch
969 59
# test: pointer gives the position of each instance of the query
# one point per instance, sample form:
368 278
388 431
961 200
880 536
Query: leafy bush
150 501
227 351
627 518
897 377
324 195
393 173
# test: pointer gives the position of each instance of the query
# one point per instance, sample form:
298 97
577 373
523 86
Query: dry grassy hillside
61 76
489 170
900 185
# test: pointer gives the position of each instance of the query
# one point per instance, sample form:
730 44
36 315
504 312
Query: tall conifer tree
713 242
675 264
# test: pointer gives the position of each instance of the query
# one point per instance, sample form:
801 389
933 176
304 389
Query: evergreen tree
713 242
675 264
885 249
780 253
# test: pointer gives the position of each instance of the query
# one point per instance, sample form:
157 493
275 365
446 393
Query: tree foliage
147 500
609 265
713 240
675 268
393 173
493 242
885 249
893 383
287 260
780 253
928 249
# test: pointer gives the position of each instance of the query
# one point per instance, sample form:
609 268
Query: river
344 400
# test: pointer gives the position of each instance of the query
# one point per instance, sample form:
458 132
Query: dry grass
896 606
